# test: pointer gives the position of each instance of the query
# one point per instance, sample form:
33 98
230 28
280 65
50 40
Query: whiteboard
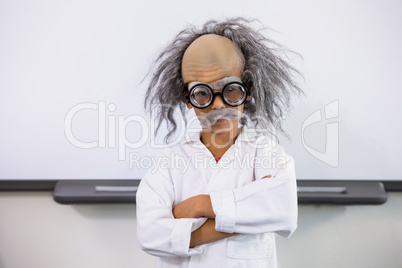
80 64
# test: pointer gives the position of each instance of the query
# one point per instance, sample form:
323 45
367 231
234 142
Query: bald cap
209 58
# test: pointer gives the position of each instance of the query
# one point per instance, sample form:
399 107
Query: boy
239 188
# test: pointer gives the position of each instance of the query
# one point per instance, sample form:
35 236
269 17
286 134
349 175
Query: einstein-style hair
270 79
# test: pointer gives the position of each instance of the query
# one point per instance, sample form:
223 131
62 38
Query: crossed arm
260 206
196 207
200 206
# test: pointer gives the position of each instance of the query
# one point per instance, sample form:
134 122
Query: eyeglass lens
234 93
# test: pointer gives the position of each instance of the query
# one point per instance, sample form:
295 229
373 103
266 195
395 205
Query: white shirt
243 202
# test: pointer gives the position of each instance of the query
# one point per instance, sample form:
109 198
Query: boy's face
209 59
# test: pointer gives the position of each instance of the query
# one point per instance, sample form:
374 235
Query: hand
194 207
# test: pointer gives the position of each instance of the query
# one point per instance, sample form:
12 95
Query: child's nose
218 103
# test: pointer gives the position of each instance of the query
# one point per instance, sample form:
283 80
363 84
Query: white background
55 55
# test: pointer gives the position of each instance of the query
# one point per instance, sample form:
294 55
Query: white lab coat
243 202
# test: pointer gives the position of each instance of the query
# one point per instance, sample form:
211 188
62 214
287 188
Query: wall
36 232
70 69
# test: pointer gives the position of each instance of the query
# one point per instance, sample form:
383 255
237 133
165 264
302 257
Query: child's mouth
220 121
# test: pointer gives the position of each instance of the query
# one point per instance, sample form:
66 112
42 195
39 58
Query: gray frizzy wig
269 77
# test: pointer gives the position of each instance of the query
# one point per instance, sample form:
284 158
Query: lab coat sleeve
264 205
158 232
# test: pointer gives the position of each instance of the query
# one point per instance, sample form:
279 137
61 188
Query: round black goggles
233 94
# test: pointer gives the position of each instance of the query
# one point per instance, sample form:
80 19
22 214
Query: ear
189 105
248 97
